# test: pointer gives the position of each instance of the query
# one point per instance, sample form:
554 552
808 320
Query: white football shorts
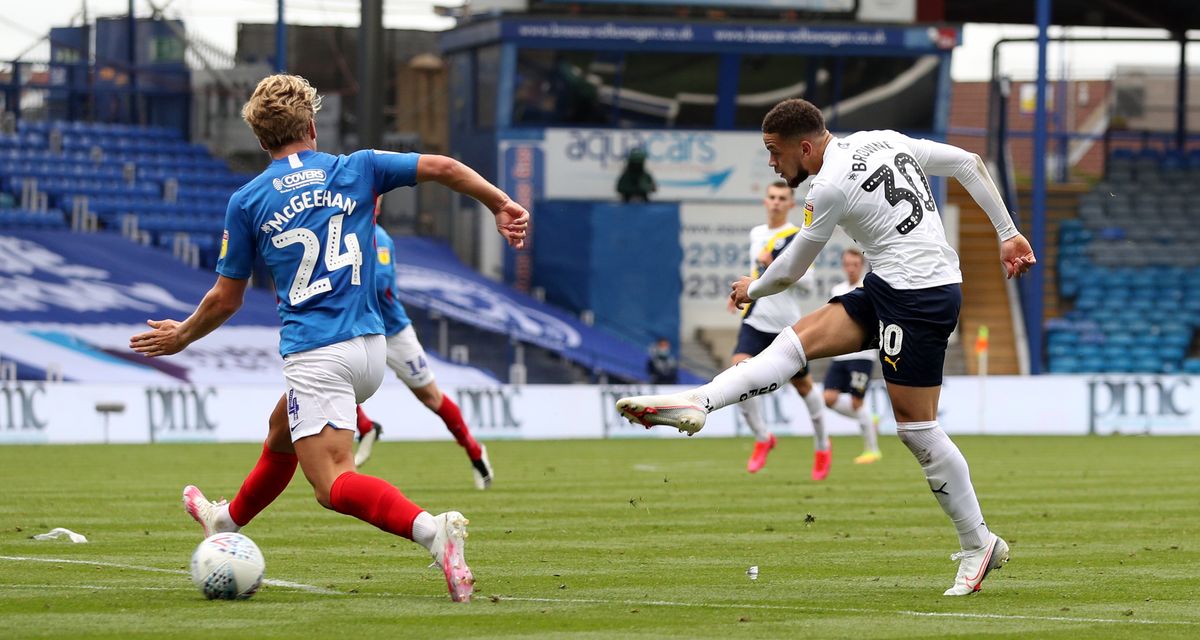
327 383
407 358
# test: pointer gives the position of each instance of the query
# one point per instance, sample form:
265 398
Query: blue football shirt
395 319
311 216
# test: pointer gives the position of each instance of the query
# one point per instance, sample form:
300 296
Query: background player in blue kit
310 216
407 359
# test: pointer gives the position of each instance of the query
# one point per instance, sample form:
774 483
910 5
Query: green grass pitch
622 539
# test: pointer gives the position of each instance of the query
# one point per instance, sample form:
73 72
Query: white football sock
949 479
763 373
752 414
424 529
844 406
869 433
816 411
224 523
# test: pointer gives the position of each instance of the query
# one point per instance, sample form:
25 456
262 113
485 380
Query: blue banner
576 33
103 278
429 276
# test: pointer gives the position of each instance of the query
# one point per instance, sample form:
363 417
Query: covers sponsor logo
298 179
808 213
224 244
385 255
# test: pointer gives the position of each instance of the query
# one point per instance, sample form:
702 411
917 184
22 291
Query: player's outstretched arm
168 337
512 220
969 169
1017 256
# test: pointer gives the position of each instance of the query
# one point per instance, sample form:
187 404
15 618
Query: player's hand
1017 256
512 221
739 295
163 339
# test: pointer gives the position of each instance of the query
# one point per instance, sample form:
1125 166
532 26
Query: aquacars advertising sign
584 164
44 412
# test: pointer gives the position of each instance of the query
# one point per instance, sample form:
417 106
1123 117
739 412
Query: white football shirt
872 184
775 313
840 289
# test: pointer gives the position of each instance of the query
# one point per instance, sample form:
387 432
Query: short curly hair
794 118
280 109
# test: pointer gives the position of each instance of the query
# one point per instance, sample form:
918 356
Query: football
227 566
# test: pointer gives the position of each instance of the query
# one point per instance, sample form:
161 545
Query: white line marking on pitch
784 607
90 587
116 565
647 603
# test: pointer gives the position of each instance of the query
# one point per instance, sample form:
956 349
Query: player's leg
825 333
751 410
914 328
822 448
369 432
406 357
860 379
321 421
270 476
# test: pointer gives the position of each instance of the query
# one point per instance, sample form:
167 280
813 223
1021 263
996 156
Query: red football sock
364 423
266 481
450 414
375 501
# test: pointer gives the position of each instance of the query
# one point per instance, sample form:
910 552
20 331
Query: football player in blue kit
310 217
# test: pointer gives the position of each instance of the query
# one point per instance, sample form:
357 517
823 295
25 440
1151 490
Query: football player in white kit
873 184
763 319
848 375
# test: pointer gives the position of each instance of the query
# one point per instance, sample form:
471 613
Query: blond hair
280 109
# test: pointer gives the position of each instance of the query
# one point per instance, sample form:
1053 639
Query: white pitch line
90 587
643 603
784 607
116 565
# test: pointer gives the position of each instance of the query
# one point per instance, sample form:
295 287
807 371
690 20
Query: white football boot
975 565
448 546
482 469
677 410
206 512
366 443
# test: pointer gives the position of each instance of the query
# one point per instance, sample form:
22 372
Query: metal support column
280 40
132 51
370 74
1181 101
1036 288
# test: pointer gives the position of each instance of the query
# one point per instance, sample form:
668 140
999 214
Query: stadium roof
1172 15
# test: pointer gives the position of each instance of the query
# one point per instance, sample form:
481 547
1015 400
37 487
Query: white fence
63 412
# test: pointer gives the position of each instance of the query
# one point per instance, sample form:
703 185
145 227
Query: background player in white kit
873 184
763 319
848 375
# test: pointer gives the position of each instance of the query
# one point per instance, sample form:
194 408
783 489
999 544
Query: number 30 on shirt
301 288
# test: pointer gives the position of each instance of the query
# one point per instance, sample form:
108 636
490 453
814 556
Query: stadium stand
146 182
1129 266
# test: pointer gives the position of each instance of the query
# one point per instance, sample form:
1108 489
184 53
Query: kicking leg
825 333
